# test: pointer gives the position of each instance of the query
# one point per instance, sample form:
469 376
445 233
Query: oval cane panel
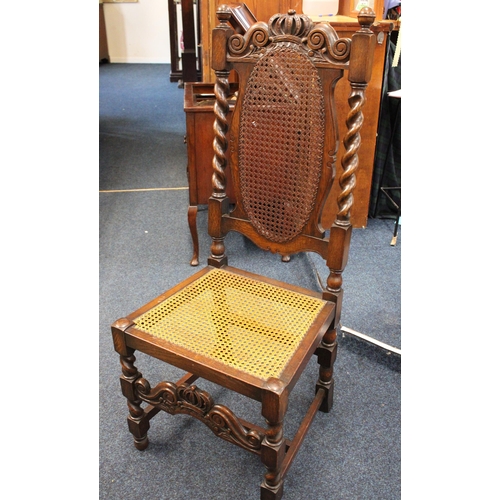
281 143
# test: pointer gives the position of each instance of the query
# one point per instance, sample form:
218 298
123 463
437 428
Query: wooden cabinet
199 102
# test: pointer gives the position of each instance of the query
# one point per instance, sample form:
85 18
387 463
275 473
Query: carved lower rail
190 400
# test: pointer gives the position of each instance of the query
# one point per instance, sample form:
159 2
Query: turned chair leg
274 404
138 421
272 455
327 353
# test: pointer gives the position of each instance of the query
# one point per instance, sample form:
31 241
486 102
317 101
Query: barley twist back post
218 203
360 68
363 42
360 65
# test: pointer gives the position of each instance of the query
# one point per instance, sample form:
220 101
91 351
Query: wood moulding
190 400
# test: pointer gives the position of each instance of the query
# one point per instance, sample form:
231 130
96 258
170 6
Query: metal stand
387 189
398 207
371 340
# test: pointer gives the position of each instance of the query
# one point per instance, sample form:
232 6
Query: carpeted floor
145 247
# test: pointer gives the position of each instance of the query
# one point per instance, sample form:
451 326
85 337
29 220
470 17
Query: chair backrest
282 141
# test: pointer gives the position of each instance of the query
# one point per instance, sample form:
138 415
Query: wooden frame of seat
296 36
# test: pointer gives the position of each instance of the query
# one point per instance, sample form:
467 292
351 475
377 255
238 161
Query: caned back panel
281 136
282 140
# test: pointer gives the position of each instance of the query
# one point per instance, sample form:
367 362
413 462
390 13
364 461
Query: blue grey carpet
354 452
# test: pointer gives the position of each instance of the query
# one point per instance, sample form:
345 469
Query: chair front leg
327 353
272 455
138 421
273 448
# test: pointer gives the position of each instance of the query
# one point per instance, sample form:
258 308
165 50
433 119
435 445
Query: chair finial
223 13
366 17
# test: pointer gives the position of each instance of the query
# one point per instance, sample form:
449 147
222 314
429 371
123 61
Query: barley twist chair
243 331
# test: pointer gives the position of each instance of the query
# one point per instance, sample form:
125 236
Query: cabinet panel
199 100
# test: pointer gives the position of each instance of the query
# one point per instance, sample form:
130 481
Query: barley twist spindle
220 143
350 163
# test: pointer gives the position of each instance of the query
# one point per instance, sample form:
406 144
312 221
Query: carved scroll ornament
191 400
319 40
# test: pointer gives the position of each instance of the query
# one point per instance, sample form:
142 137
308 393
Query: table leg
192 212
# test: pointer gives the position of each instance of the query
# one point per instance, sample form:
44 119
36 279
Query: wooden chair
243 331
